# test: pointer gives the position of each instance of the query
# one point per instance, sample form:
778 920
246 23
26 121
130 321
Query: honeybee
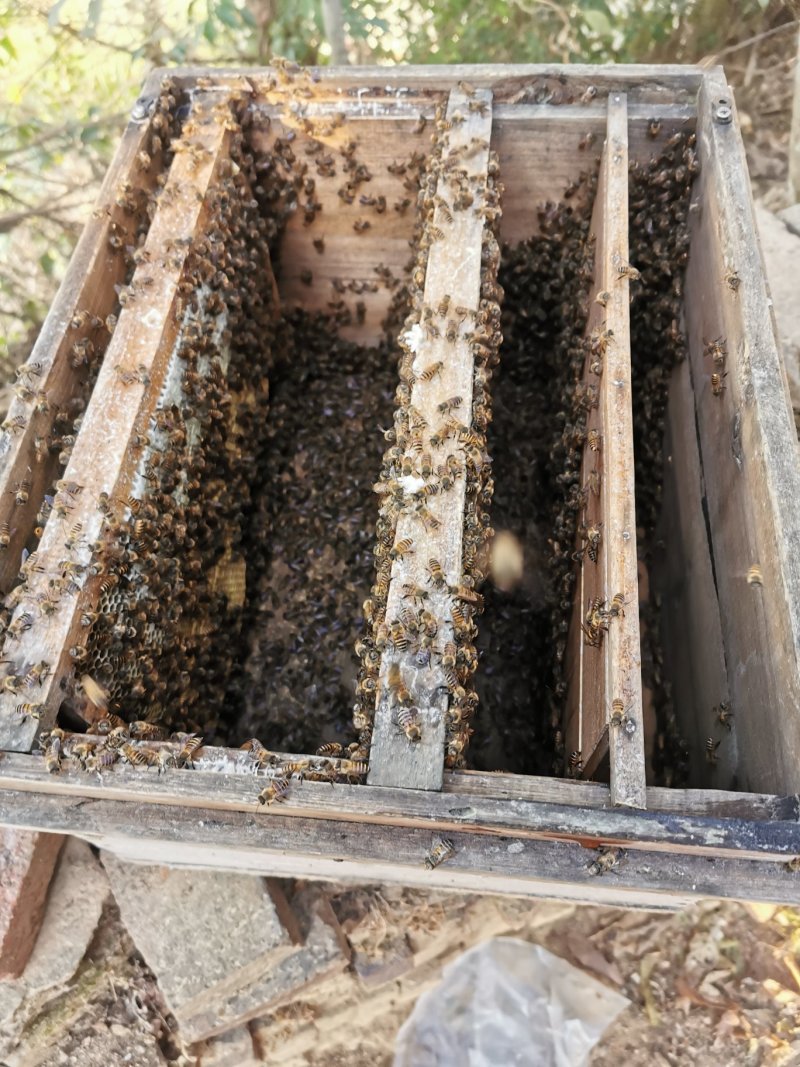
53 745
436 575
586 141
190 743
21 492
724 715
615 608
361 225
319 244
717 383
793 865
30 711
754 575
146 731
653 128
109 723
440 851
451 404
717 349
575 764
594 440
275 791
607 860
431 371
711 747
451 332
408 721
14 425
402 548
412 591
137 757
617 713
258 753
396 685
602 298
22 623
39 673
331 750
627 270
428 519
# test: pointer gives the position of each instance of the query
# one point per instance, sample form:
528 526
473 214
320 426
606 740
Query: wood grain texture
453 270
103 458
749 455
316 848
562 84
88 286
776 837
691 629
610 670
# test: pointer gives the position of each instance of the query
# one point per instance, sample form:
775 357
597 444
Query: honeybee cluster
57 421
536 441
424 462
172 558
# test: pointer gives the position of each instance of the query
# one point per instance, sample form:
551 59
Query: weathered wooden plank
453 275
605 655
88 288
558 83
623 679
222 790
103 458
749 456
691 630
316 848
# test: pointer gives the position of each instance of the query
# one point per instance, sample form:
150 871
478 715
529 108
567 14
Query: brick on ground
27 862
206 935
324 952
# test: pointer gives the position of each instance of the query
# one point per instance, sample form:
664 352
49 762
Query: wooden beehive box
129 467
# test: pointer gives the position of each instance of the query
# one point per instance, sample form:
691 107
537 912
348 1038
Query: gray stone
324 953
79 891
203 933
232 1049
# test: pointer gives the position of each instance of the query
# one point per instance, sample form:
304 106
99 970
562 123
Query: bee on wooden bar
793 865
607 860
190 743
146 731
275 791
754 575
30 711
724 715
431 371
615 608
402 548
52 745
717 349
396 686
451 404
361 225
14 425
594 440
440 851
718 383
258 753
319 244
331 750
412 591
137 757
21 492
19 626
627 270
38 674
711 747
408 721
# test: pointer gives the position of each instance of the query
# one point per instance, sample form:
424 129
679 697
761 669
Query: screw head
143 107
723 112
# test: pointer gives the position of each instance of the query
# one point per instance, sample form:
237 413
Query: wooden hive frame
510 833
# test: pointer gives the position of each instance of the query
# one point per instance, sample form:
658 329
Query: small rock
232 1049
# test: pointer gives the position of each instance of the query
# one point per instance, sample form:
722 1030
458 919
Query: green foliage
70 69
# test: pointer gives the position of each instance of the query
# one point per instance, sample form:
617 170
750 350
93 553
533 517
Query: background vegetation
69 72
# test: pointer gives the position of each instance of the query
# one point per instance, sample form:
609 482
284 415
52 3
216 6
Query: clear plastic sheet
507 1003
